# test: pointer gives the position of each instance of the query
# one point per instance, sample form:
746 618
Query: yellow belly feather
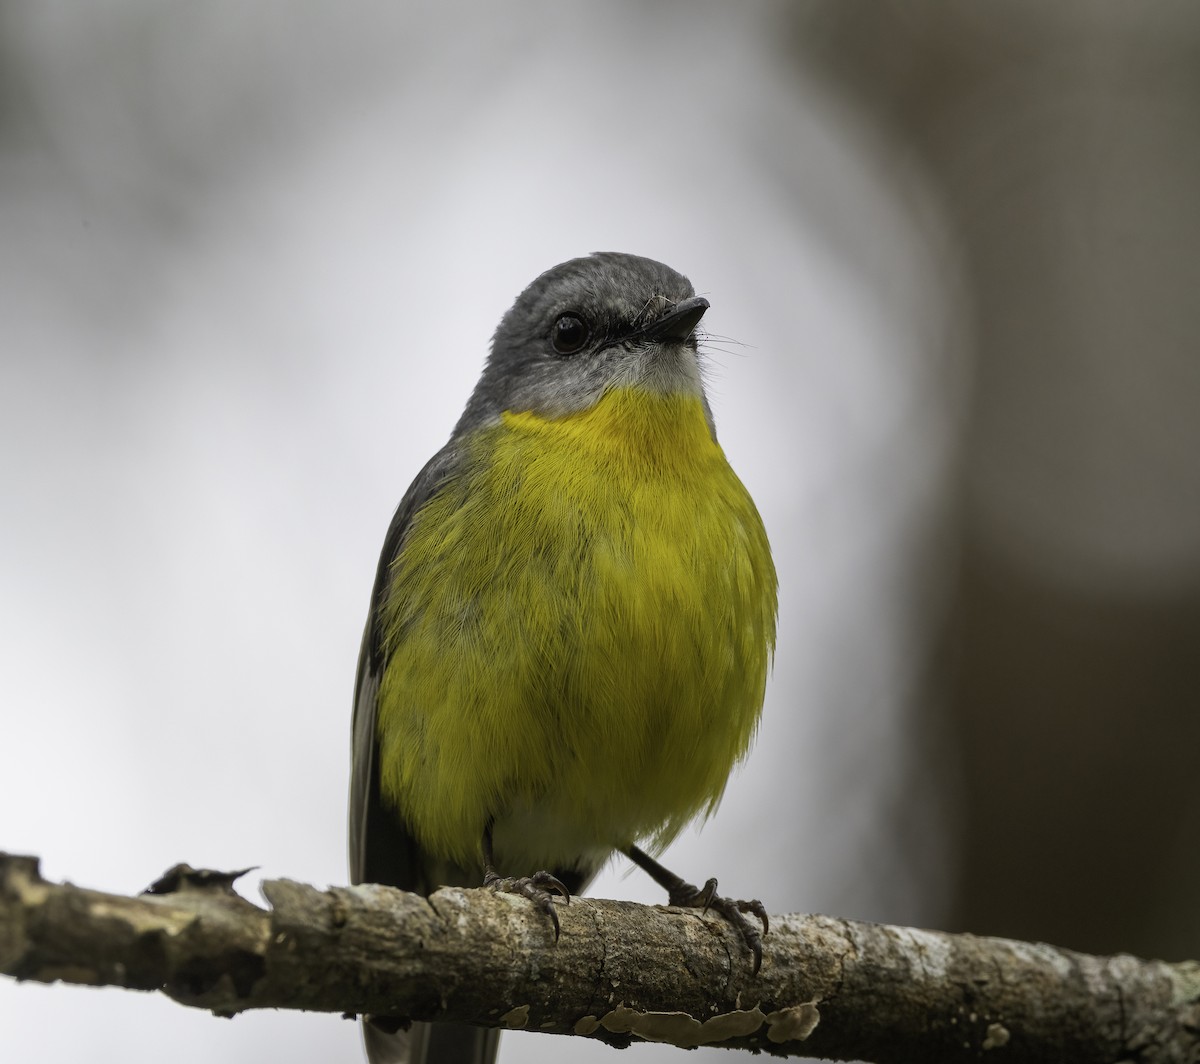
579 628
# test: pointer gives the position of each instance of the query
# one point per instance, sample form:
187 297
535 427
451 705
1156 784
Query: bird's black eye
569 334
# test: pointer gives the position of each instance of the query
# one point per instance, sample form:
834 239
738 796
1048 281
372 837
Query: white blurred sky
249 266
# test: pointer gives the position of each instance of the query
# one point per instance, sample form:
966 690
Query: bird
571 623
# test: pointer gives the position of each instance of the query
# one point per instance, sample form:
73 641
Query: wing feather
382 849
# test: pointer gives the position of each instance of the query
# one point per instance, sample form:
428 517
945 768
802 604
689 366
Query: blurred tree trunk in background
1065 140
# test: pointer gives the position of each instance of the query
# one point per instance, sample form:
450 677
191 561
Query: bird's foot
705 898
540 888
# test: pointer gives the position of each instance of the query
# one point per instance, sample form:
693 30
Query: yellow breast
579 626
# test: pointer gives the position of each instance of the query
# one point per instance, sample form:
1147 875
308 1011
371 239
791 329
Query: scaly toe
688 897
732 912
540 888
758 909
706 898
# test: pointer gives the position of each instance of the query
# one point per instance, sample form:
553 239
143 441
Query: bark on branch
620 971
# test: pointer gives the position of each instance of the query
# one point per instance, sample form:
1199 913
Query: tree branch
620 971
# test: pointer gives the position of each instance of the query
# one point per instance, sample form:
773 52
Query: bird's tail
431 1043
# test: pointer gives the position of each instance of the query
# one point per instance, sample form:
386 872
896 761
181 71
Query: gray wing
381 848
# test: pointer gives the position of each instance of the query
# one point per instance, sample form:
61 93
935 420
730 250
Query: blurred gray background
250 260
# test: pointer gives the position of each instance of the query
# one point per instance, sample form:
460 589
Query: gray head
585 326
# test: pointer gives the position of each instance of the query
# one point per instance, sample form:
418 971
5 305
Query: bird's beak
679 321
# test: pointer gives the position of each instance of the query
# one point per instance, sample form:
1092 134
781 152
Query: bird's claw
688 897
706 898
540 888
